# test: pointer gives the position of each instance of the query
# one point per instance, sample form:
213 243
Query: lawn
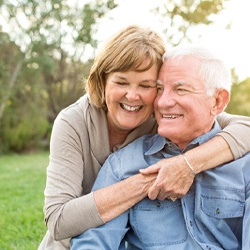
22 182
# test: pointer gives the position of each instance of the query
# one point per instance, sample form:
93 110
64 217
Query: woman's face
130 96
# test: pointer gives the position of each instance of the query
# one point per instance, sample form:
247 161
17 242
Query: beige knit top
78 148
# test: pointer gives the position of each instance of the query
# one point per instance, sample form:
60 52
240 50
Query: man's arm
246 220
110 235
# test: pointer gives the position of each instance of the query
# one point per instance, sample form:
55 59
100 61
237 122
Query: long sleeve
75 160
246 218
69 206
110 235
236 132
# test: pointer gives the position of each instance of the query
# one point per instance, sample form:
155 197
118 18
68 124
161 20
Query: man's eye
182 91
159 90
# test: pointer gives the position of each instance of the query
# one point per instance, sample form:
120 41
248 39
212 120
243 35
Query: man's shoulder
143 141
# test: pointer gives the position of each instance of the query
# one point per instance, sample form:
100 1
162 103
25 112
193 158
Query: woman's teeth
130 108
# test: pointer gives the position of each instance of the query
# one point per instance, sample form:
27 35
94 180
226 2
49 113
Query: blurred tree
10 67
43 62
21 126
180 16
55 36
240 98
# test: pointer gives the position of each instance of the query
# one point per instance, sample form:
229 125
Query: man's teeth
171 116
130 108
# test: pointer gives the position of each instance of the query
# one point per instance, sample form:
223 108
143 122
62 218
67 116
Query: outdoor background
46 50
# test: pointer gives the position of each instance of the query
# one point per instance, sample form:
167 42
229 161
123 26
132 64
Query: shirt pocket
159 223
221 212
222 202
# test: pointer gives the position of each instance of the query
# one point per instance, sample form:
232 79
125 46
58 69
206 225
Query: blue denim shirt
214 214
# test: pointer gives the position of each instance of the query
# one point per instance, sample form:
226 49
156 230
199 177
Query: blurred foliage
47 53
240 98
43 63
180 16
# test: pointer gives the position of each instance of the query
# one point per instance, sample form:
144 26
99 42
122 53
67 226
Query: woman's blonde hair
124 51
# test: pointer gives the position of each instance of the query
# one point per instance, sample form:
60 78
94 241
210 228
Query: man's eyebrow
178 83
159 82
185 84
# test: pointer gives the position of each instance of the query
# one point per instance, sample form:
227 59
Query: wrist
189 165
144 182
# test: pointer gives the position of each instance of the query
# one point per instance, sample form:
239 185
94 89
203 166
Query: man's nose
167 99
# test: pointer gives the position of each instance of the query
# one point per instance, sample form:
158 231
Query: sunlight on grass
22 182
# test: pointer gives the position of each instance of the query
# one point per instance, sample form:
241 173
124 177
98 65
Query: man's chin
171 135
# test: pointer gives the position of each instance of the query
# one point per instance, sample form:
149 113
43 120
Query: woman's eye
146 86
121 83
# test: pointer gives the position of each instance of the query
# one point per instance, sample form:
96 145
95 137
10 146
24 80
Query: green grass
22 182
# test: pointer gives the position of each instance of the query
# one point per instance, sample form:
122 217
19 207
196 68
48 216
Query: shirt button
191 223
158 204
217 211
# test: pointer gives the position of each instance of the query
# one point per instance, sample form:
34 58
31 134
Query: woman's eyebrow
120 77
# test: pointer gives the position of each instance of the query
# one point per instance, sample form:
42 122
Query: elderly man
193 87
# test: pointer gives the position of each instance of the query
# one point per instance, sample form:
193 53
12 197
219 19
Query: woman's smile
130 108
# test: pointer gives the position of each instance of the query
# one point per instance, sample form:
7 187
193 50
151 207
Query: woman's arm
69 207
175 177
113 200
236 132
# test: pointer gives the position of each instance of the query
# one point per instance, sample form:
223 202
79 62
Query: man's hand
173 181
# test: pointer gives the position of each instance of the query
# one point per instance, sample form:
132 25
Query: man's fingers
153 193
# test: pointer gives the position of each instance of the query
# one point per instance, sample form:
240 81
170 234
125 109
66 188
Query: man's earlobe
222 98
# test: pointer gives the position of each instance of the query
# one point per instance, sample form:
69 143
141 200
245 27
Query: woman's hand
174 178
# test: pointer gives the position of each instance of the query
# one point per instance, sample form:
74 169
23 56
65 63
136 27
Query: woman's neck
116 136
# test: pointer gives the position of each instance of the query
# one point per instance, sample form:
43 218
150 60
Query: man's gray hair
214 73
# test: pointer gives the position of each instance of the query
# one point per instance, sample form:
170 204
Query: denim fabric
214 214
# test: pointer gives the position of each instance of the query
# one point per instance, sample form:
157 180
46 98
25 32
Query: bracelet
192 169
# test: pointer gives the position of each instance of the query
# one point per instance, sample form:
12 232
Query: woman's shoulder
74 114
81 105
79 109
82 112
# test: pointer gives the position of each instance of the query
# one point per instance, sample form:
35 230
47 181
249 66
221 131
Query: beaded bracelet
192 169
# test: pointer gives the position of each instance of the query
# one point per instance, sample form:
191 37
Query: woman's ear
222 98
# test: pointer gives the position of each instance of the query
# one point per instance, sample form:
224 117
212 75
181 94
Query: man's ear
221 99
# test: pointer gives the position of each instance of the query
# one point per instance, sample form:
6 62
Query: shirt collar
159 142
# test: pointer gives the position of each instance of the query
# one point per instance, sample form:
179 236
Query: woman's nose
132 93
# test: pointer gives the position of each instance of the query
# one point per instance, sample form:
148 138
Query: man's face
182 108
